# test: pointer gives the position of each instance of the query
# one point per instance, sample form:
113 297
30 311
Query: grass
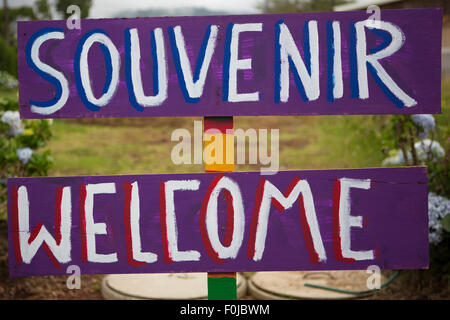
311 142
305 143
322 142
96 149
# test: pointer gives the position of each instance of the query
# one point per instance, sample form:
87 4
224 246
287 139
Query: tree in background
8 49
43 10
8 57
9 17
5 20
284 6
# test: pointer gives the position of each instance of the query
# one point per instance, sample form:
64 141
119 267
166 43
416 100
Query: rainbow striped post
221 286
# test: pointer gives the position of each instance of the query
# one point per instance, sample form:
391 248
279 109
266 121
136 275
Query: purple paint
393 210
415 67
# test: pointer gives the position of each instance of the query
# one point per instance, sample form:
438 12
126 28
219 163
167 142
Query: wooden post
221 286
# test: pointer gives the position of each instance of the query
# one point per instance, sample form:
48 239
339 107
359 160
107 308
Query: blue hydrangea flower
438 208
426 121
24 154
423 134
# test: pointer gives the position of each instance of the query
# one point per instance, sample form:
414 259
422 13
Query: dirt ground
408 285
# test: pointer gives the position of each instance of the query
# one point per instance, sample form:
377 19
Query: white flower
11 117
429 150
15 129
24 154
15 124
396 159
426 150
7 80
393 161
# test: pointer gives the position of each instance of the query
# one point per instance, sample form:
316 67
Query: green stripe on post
222 287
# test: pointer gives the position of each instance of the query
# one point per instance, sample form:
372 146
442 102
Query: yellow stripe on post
219 152
219 157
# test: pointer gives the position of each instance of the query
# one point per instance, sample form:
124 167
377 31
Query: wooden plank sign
280 64
219 222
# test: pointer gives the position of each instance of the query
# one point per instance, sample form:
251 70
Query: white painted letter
270 193
338 86
170 219
346 221
288 50
138 255
398 38
211 220
193 87
93 228
29 247
160 63
49 107
240 64
84 69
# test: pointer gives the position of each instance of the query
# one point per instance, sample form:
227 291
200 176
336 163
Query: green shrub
424 140
21 144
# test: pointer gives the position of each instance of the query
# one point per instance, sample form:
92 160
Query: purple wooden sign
241 221
281 64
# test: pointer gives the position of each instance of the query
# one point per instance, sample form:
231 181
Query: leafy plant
21 143
416 140
7 81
